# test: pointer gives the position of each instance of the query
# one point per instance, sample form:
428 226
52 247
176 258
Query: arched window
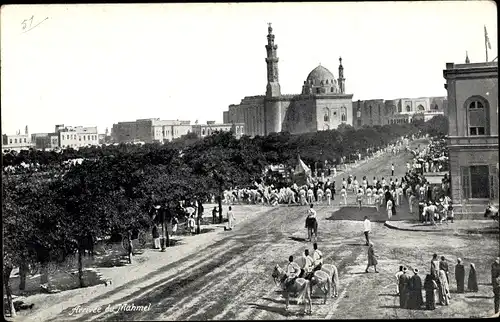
477 116
15 140
343 116
326 118
420 108
436 107
408 108
318 90
203 132
400 108
332 90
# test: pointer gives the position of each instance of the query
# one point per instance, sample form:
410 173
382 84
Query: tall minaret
341 81
26 130
273 85
467 61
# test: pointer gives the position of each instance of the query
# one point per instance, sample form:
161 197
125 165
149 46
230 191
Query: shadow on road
393 295
362 244
299 239
478 297
281 311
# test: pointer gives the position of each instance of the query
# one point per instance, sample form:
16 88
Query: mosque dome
319 74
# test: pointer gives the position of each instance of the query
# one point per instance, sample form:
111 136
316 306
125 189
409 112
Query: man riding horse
307 268
317 258
311 223
292 272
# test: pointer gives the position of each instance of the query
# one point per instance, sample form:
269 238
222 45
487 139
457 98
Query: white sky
95 65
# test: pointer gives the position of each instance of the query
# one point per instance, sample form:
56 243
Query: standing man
392 170
367 225
343 194
443 264
398 274
230 219
435 267
328 193
389 209
495 281
403 282
214 215
359 197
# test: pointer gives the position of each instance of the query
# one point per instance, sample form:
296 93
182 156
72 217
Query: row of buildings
139 131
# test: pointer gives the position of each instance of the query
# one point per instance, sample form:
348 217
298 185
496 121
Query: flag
486 38
302 168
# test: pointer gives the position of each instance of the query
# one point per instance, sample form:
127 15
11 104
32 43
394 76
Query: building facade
203 130
76 136
17 142
149 130
473 132
322 104
397 111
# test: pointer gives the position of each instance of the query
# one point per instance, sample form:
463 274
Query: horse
323 280
300 286
333 274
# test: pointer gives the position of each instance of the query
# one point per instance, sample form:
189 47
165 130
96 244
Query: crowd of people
436 284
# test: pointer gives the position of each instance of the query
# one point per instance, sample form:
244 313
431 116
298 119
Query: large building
149 130
17 142
397 111
473 133
322 104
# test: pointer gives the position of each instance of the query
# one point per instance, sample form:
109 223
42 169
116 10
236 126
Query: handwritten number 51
24 23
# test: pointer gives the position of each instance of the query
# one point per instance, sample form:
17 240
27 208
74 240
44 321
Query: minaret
341 77
467 61
26 130
273 85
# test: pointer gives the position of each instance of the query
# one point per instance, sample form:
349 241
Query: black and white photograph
250 161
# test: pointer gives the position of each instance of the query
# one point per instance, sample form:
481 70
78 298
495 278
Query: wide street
230 277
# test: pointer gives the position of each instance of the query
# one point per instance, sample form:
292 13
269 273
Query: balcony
479 141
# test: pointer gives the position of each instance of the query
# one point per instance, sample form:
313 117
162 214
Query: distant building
66 137
17 142
149 130
203 130
473 133
397 111
323 103
76 136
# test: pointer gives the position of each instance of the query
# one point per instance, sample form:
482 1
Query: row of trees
51 210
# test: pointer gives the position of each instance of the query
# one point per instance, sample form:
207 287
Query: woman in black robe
472 281
430 286
460 276
415 300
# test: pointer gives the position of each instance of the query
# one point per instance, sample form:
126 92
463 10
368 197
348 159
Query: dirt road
231 278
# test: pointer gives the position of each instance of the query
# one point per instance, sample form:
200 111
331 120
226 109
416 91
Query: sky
99 64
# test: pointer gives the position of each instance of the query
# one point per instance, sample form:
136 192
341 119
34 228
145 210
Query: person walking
367 225
411 200
328 193
372 258
343 194
359 197
460 276
472 280
392 170
495 282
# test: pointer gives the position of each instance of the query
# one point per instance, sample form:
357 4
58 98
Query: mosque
322 105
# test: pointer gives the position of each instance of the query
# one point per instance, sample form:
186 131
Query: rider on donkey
292 272
317 258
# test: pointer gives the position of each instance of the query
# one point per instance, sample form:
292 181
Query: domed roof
319 74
